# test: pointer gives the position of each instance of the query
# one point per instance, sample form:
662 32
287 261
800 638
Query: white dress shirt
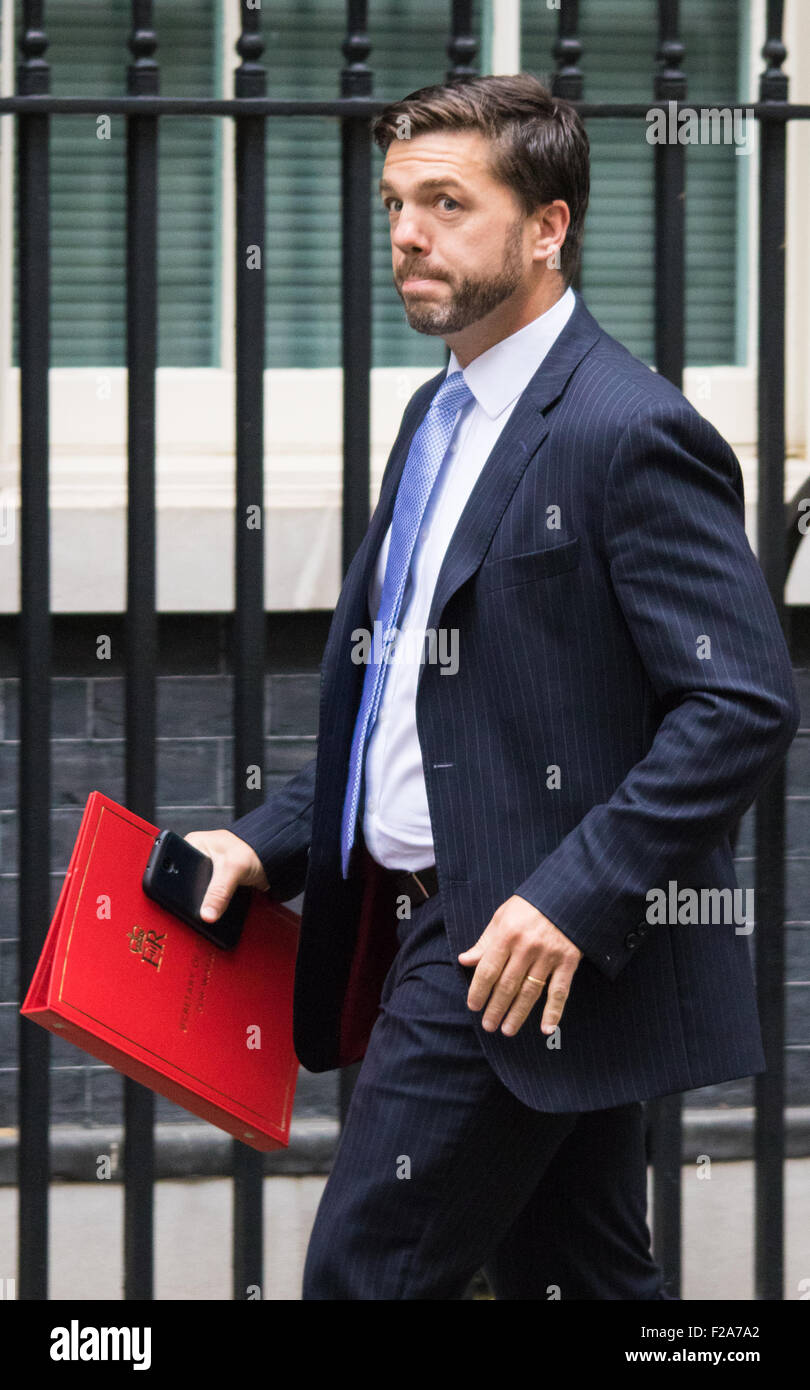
396 819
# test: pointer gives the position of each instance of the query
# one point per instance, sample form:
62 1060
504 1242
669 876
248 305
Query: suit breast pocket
511 570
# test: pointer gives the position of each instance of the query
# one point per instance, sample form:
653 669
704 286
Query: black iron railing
250 108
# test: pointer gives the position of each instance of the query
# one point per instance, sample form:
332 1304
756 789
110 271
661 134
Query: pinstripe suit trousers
441 1170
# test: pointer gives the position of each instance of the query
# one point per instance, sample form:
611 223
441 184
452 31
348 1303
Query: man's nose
409 233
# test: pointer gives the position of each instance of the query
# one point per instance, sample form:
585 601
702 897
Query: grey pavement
193 1235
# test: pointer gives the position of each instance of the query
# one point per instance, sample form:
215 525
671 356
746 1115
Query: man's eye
444 198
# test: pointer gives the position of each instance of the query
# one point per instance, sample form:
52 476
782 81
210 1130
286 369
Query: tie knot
452 394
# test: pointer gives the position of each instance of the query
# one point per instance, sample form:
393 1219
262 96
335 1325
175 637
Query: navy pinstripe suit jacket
613 623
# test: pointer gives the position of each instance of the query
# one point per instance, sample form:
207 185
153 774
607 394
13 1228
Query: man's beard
472 299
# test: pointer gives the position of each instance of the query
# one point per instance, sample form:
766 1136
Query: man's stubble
473 298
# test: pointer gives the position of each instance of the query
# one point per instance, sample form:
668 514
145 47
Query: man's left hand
519 941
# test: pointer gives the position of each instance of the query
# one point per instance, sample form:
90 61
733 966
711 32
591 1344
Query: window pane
619 42
88 54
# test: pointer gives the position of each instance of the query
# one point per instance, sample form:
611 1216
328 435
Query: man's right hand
235 863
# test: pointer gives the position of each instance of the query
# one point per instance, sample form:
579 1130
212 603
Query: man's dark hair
539 144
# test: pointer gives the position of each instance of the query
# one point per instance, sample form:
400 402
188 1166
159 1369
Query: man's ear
550 223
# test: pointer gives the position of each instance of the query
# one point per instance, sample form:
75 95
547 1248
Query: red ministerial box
134 986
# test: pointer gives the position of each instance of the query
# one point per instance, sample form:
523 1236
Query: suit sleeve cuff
608 944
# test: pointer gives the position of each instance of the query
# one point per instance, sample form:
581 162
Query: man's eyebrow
425 186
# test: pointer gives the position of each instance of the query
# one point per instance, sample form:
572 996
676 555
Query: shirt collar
496 377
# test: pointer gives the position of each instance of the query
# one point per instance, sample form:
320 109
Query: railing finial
567 79
670 80
462 45
33 70
142 73
773 83
355 77
250 78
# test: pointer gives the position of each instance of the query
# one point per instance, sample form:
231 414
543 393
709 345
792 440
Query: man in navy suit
596 687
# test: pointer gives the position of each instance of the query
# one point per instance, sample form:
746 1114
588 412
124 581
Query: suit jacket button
632 939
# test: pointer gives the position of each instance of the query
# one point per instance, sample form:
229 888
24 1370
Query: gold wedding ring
534 980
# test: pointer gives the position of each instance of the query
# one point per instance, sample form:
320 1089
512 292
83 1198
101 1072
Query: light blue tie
425 456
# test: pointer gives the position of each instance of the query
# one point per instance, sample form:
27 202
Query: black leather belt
418 884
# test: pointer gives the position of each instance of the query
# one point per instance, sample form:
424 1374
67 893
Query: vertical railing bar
567 79
462 45
355 163
34 773
665 1112
356 343
141 639
769 812
250 80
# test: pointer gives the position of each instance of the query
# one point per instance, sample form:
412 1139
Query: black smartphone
177 876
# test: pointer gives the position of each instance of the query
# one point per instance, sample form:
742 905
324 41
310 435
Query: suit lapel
521 437
517 443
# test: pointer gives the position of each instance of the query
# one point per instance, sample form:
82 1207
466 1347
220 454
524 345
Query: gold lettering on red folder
192 984
147 944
